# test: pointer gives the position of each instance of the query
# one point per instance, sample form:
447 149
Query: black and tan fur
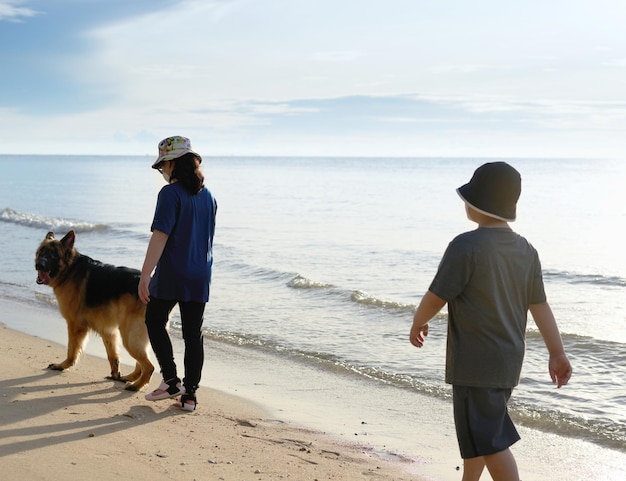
98 297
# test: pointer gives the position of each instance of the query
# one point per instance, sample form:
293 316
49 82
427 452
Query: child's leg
473 468
502 466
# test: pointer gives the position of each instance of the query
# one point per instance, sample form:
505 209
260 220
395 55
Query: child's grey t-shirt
489 277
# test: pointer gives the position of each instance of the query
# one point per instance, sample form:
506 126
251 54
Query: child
490 278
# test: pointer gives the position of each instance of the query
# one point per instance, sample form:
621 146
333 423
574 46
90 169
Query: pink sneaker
166 390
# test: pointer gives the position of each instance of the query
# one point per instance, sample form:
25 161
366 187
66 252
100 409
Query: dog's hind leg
76 338
133 376
142 373
143 369
137 344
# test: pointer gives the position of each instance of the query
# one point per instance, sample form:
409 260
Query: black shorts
482 421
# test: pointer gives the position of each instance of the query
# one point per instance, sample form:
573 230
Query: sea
322 261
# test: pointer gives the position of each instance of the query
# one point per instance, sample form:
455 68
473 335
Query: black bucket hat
493 190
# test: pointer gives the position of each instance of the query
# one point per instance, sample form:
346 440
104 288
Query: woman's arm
153 254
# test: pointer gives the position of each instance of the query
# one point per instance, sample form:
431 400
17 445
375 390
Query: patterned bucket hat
173 148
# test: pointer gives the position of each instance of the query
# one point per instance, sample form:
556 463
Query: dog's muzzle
43 274
43 277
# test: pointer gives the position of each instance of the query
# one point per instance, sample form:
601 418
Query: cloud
458 69
616 62
408 125
11 11
337 56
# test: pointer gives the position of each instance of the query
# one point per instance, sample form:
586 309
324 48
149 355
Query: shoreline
56 424
256 404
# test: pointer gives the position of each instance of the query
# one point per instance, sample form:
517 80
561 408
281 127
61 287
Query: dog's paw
117 378
56 367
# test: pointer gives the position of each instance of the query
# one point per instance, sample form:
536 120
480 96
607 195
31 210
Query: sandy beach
78 425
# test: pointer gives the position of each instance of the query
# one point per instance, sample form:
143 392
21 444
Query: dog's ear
68 240
49 236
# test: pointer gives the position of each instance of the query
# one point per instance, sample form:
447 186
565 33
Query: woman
180 254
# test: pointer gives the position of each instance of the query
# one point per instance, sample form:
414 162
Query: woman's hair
187 172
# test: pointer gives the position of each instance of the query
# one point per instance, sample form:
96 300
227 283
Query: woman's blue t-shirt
183 272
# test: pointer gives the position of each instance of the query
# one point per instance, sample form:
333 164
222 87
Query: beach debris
245 423
303 459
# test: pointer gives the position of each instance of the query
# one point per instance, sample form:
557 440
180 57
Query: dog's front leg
76 337
110 340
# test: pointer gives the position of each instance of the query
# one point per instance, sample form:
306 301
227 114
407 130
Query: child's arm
559 366
429 306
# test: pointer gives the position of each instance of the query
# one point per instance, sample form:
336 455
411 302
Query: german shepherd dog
93 296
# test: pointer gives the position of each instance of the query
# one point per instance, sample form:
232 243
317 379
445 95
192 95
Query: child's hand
560 369
418 335
428 307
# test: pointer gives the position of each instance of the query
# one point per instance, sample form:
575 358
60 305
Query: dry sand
77 425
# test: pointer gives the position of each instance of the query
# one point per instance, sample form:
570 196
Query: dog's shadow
27 416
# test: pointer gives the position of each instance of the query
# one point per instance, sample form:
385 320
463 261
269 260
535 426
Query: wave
365 299
579 278
13 291
320 288
587 345
299 282
327 361
604 432
48 223
356 296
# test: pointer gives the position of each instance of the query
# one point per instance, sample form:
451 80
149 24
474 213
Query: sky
479 78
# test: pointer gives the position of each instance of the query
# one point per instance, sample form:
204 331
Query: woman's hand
143 289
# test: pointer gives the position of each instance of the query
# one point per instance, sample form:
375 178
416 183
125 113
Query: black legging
191 316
